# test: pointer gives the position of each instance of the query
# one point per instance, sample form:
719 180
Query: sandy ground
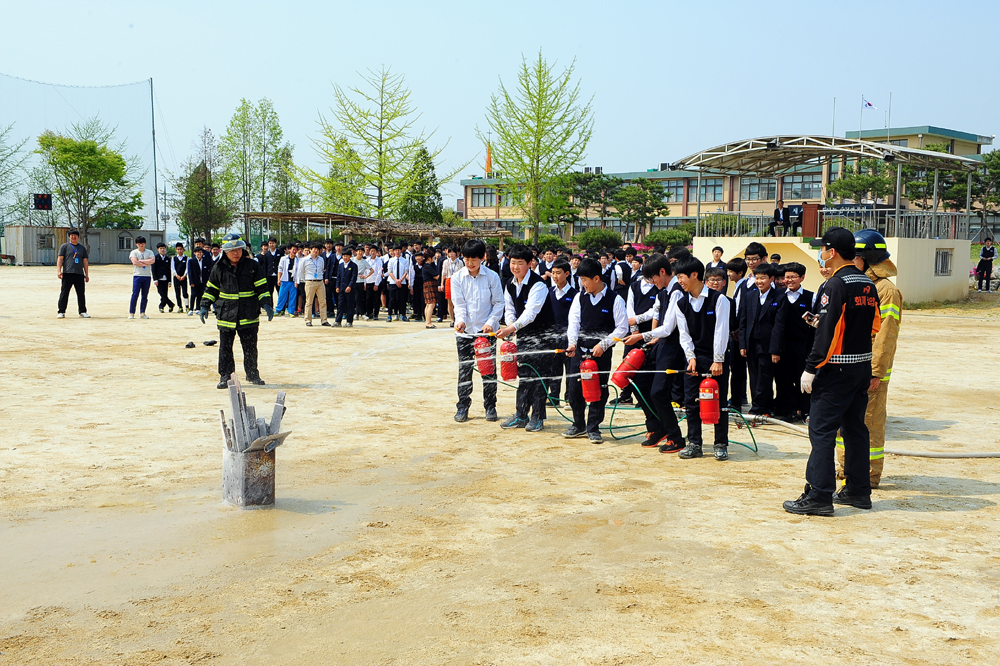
401 537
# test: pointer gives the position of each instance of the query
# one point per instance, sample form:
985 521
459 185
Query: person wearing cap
73 270
872 257
142 275
838 374
238 285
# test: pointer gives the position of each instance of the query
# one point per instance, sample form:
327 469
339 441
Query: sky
667 78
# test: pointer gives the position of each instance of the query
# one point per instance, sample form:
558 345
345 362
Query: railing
910 224
734 223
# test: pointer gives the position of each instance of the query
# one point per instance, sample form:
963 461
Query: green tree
669 237
285 197
91 180
640 203
598 239
549 242
422 204
862 178
450 218
204 208
606 188
556 206
12 169
542 128
342 188
250 154
986 185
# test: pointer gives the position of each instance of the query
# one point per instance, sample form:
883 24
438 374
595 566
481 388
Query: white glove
806 381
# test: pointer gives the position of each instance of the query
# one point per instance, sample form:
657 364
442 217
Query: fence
910 224
734 223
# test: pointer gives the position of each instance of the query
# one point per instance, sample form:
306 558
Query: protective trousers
875 420
248 340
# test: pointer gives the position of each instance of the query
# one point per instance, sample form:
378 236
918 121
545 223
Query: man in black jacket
756 318
781 217
161 276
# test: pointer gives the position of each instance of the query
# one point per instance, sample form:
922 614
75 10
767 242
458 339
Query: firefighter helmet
234 242
870 245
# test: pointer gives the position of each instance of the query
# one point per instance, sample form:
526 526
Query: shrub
669 237
549 242
598 239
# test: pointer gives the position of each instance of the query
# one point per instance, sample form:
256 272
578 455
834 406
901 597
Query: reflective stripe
248 294
244 322
260 282
876 453
208 297
215 286
840 442
225 324
229 297
889 310
887 373
263 296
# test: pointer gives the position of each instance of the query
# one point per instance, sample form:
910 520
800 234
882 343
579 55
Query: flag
865 104
489 160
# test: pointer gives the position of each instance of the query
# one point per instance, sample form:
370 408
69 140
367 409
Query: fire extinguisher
508 360
484 357
590 381
632 362
708 397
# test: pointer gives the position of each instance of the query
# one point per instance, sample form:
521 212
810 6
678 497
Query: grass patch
981 303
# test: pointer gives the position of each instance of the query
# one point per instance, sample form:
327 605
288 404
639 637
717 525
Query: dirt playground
401 537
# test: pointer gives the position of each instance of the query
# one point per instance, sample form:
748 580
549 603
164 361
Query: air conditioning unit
598 169
587 169
664 166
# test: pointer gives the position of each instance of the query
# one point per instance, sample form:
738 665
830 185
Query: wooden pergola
326 225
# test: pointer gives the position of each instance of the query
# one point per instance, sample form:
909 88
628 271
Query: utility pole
152 124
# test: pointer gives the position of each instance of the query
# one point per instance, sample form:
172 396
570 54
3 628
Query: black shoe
621 401
491 414
807 506
721 451
595 437
691 451
325 323
850 498
514 422
258 381
652 440
309 323
573 432
671 446
462 415
223 383
534 425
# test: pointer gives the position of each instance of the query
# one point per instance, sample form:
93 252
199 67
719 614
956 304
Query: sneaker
619 402
850 498
309 323
171 309
161 310
462 415
573 432
405 319
690 451
652 440
350 326
595 437
61 315
534 425
807 506
337 324
389 319
721 451
491 414
143 316
672 446
85 315
514 422
190 313
325 323
131 316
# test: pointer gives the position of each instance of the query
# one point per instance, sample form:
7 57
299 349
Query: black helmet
870 245
234 242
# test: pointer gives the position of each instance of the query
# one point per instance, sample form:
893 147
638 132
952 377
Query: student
754 254
662 429
331 261
596 318
372 283
703 322
641 297
545 266
756 326
448 268
365 271
347 279
161 276
270 263
286 285
984 269
198 270
417 286
431 275
574 266
300 285
791 341
399 284
623 274
142 275
779 276
561 295
479 301
313 270
178 269
608 273
528 312
717 262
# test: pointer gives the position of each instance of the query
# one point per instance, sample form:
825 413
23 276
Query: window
674 190
807 186
758 189
46 242
711 188
942 262
483 197
124 242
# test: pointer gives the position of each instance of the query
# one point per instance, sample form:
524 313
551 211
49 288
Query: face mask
820 259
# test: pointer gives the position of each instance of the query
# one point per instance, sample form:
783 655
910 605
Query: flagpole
861 119
888 122
833 123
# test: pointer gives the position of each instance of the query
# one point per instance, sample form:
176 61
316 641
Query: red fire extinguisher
590 380
484 357
708 397
630 364
508 360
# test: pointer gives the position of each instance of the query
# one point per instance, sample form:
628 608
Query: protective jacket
238 291
848 320
891 309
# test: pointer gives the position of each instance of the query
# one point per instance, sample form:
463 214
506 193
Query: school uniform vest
626 278
670 346
561 306
596 321
161 268
701 325
609 277
180 265
641 303
545 319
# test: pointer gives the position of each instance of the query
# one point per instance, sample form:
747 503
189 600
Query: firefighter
238 287
838 374
873 259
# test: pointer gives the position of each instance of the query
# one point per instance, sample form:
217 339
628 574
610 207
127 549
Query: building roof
930 130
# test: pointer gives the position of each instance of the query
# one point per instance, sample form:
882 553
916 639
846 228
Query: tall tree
12 168
342 188
541 127
606 188
556 205
205 207
423 203
285 197
90 179
249 151
863 178
640 203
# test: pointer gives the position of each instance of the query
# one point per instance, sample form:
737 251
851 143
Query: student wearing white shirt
641 299
142 276
736 268
364 272
479 302
399 284
300 286
286 283
313 271
372 283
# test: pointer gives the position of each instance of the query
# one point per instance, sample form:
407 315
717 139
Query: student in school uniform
791 341
608 272
347 280
636 263
178 270
596 318
623 274
270 263
161 276
430 272
641 297
528 312
365 271
286 284
574 266
331 261
717 261
399 284
561 294
756 326
754 255
417 286
198 270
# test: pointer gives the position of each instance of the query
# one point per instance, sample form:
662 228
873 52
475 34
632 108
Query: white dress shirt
312 269
536 299
763 294
793 296
399 269
376 276
720 340
297 270
560 292
478 300
283 271
669 323
621 319
644 287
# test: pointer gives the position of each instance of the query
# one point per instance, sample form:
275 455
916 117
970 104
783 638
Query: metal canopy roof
776 155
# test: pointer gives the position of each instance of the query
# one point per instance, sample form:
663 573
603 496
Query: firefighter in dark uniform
837 374
237 286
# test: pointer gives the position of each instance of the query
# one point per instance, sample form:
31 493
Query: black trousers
417 301
789 397
272 284
643 387
839 401
774 224
300 291
248 340
372 302
558 366
466 360
396 302
984 270
358 292
581 418
738 383
761 378
331 297
531 397
660 396
197 291
345 307
75 281
181 287
693 407
163 288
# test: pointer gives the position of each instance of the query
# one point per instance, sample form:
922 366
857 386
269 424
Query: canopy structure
352 225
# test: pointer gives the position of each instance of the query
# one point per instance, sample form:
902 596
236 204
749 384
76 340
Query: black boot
223 383
808 506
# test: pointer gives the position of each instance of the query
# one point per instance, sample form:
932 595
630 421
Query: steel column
934 216
899 190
